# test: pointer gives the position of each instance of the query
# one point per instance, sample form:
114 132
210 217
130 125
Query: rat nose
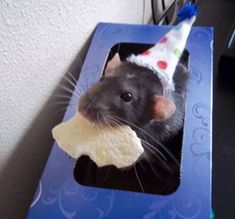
82 108
83 112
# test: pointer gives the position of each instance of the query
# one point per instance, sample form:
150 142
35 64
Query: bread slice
117 145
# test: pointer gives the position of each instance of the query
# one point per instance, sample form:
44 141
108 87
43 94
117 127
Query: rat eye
126 96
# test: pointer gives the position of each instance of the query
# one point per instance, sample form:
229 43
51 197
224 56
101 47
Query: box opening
161 178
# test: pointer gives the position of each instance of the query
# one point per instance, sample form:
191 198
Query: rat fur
103 103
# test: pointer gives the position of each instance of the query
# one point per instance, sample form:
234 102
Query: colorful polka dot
163 39
177 53
147 52
162 64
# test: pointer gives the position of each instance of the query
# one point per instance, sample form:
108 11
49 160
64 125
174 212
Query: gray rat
133 95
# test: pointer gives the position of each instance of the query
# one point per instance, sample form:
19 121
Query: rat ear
185 58
112 64
163 108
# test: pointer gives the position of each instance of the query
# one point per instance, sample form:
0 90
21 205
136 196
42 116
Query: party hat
164 56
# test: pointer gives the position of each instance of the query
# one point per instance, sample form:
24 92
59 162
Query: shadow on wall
22 171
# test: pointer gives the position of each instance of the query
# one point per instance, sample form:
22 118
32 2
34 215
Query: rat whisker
76 88
68 90
62 96
91 102
106 176
100 126
138 179
65 77
113 120
71 75
62 107
152 147
90 124
106 124
141 164
153 152
160 144
119 125
123 131
58 103
75 81
154 171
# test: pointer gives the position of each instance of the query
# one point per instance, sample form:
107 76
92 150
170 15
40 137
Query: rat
131 95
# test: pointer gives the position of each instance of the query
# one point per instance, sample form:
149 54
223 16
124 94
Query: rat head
127 94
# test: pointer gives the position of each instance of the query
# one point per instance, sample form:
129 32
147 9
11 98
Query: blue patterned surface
60 196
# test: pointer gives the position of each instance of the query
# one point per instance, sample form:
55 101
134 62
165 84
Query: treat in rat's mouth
118 146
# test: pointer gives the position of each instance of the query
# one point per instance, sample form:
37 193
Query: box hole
149 177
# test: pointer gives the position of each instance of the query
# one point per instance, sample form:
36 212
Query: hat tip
188 11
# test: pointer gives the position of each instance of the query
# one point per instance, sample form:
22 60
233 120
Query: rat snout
94 105
86 113
83 106
88 109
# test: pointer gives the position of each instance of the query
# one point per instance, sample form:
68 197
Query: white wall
39 40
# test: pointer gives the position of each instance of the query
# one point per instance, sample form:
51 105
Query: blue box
58 194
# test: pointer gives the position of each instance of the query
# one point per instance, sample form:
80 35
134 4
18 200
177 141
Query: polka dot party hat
164 56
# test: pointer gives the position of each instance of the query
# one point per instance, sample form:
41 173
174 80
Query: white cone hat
164 56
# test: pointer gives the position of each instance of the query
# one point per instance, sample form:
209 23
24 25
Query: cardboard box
58 194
